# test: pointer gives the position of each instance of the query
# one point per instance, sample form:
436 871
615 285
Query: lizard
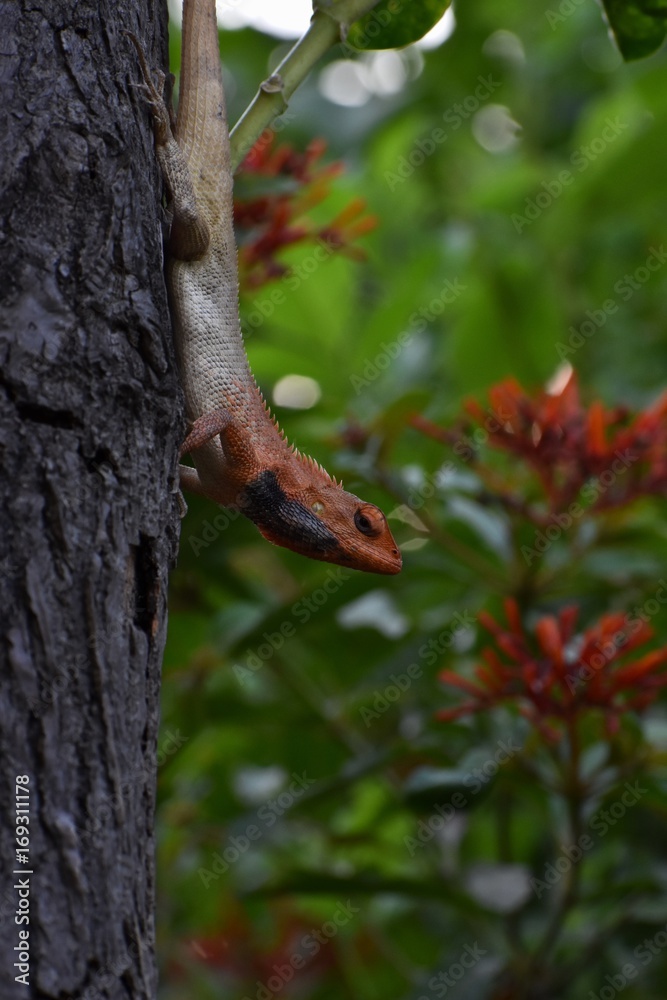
241 457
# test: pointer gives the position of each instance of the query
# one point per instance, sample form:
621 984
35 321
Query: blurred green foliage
518 178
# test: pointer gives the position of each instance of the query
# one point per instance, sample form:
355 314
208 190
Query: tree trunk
91 419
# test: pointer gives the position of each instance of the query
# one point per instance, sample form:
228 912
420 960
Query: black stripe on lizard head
267 505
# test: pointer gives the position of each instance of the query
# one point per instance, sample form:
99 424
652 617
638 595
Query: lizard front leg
241 464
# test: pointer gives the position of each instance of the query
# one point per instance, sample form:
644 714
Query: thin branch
327 27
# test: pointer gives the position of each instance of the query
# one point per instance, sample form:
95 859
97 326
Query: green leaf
429 789
366 883
393 24
638 26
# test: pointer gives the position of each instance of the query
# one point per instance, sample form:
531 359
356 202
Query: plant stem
506 857
575 795
328 26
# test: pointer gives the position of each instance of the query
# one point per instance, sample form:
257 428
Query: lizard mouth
369 559
388 562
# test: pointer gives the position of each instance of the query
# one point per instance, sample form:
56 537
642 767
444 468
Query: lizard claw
152 89
182 506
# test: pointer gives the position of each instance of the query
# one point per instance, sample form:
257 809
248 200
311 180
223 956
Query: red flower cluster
619 456
605 457
558 674
278 219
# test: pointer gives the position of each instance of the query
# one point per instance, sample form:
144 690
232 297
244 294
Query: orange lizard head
300 507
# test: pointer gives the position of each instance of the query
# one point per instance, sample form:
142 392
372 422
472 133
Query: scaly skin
241 457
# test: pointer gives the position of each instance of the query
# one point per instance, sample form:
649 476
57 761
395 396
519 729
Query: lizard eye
369 520
317 507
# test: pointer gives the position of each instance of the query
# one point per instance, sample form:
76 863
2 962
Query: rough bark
89 426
